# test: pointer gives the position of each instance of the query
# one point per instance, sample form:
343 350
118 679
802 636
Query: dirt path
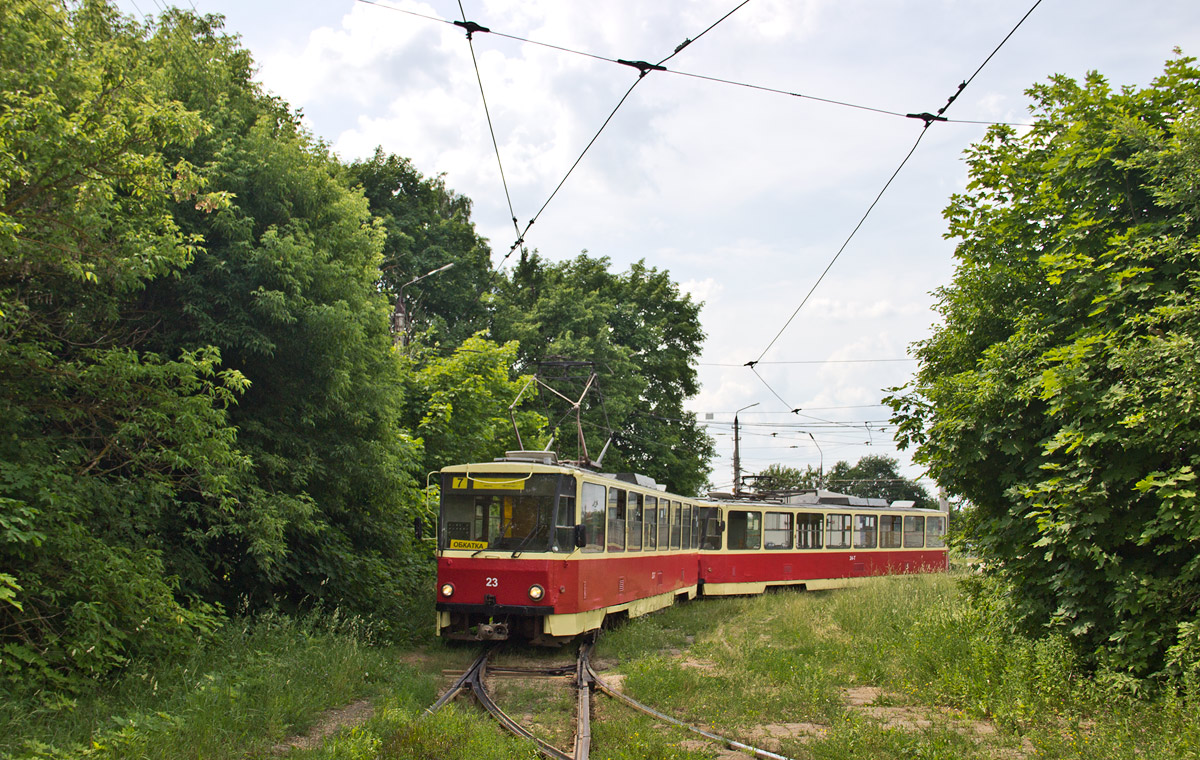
330 722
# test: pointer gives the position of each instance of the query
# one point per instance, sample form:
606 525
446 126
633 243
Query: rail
585 680
473 679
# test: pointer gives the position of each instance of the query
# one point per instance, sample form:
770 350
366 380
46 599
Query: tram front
503 530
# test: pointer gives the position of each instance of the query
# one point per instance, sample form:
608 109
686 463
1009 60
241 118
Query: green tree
1058 394
642 337
286 286
427 226
459 404
779 477
103 444
877 476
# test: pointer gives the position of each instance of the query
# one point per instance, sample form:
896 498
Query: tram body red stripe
757 567
577 585
572 585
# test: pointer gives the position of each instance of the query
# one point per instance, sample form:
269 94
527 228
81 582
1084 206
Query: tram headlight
447 589
536 592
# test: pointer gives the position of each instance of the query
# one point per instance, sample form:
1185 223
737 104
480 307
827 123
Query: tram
535 549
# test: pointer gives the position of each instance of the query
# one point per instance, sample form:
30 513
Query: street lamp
737 460
820 472
401 325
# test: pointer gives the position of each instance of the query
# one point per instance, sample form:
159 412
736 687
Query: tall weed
260 681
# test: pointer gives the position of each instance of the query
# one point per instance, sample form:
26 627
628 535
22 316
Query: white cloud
701 291
744 195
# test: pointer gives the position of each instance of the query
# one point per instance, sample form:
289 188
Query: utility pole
821 471
737 459
401 324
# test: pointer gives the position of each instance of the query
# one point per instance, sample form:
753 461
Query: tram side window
664 525
616 520
890 530
745 529
593 516
808 531
777 532
935 532
706 534
636 503
864 531
676 523
687 526
651 522
914 532
837 531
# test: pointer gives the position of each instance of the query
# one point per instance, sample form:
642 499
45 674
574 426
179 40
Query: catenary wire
521 233
644 69
690 40
808 361
840 250
795 410
692 75
407 12
487 113
928 119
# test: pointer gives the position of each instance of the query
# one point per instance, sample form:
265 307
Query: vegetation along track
585 680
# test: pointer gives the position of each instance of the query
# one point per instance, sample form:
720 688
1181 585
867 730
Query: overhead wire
521 233
809 361
796 410
843 247
815 423
487 112
407 12
691 75
643 69
928 119
690 40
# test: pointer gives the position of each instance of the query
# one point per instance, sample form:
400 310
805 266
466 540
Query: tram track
585 681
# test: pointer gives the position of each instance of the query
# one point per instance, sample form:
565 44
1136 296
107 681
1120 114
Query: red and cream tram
533 549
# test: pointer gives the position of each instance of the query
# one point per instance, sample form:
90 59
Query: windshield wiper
540 526
500 531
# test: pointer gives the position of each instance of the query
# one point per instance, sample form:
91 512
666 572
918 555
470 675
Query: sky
744 195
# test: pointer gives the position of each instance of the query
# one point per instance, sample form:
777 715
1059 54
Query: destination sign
459 544
487 484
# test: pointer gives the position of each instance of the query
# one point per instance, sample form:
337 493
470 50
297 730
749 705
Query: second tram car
530 548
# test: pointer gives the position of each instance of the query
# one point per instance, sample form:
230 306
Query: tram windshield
507 512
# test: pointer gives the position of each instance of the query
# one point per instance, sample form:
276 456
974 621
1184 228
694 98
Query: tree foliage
1059 394
286 287
201 400
780 477
427 226
877 476
203 407
642 336
102 443
459 404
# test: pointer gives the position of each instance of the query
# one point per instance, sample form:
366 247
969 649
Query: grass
945 678
898 668
261 681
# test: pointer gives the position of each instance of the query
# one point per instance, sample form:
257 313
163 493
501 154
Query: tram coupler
491 632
